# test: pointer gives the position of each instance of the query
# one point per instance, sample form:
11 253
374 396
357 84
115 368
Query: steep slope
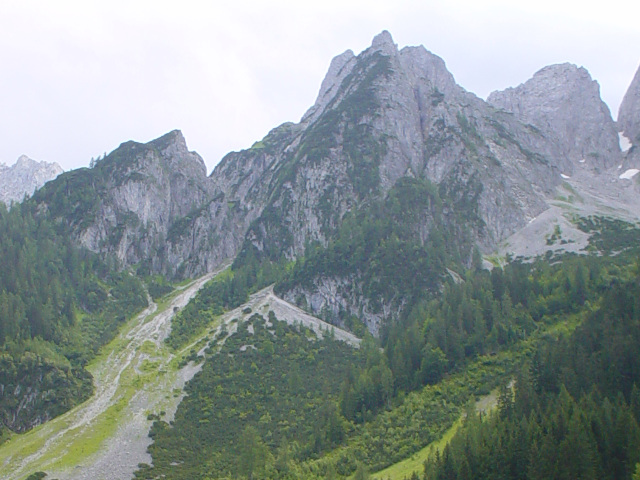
384 116
24 178
58 305
563 102
126 205
629 112
105 437
382 119
629 123
387 114
240 187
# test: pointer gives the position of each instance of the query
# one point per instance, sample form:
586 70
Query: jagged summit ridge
339 68
629 112
380 116
383 42
24 178
564 103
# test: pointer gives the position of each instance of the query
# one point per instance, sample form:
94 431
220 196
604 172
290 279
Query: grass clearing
403 470
415 463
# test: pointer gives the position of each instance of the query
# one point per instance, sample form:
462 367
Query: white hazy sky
77 78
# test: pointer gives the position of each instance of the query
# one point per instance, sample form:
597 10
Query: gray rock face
330 297
240 187
392 114
629 113
24 178
128 204
380 116
340 67
563 102
398 113
629 123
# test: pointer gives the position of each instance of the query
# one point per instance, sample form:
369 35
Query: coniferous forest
557 338
574 409
58 306
410 283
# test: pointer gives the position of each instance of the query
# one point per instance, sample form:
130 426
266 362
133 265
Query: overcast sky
80 77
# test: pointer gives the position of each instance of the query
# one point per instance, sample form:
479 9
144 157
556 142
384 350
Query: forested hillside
58 305
566 330
575 408
468 247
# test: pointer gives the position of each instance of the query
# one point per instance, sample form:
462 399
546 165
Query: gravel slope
137 350
133 377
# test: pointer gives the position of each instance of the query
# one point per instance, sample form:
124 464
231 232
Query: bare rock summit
563 102
24 178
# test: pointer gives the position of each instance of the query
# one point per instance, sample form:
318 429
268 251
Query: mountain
629 123
460 244
390 116
126 205
24 178
563 102
628 115
387 124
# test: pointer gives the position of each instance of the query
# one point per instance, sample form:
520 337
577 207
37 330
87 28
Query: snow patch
625 143
566 177
629 174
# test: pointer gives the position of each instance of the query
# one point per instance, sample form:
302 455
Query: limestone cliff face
380 116
126 205
629 123
564 104
156 185
629 113
386 114
24 178
239 189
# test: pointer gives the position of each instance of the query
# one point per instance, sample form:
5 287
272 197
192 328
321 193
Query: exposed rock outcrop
629 124
380 117
128 203
24 178
398 113
564 104
629 112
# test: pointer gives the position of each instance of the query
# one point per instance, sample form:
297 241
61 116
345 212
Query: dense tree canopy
58 305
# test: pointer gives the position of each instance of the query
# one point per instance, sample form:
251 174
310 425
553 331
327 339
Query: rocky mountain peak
426 66
629 112
380 117
339 68
383 42
563 102
173 140
169 150
173 146
25 162
25 177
